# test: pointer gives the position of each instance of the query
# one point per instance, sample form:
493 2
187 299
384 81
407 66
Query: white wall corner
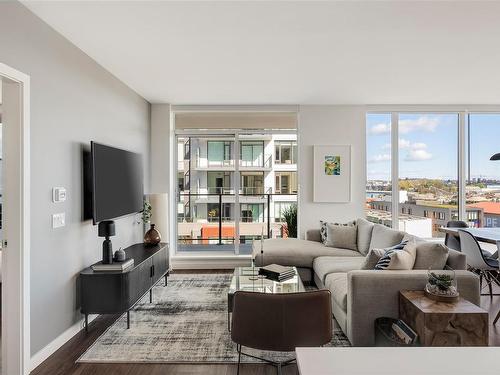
58 342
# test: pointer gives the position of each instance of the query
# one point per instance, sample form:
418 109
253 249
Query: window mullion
395 169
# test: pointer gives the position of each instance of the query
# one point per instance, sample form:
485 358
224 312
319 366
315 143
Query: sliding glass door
228 186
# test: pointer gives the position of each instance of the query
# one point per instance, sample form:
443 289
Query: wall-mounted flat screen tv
117 182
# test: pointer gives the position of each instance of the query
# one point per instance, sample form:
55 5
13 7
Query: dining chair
280 322
486 267
453 242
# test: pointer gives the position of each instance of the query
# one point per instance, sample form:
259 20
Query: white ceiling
291 53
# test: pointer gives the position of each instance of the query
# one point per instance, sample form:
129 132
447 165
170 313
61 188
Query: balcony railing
217 219
264 161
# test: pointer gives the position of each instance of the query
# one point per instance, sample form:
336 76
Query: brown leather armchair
281 322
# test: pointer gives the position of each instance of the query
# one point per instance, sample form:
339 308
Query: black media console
118 292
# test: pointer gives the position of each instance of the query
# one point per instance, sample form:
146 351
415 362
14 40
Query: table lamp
107 229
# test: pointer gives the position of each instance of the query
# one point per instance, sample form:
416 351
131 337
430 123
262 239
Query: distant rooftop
488 207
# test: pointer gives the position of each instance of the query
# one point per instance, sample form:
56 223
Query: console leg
151 295
166 275
86 323
128 319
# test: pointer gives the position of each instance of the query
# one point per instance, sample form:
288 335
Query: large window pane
428 172
378 168
483 174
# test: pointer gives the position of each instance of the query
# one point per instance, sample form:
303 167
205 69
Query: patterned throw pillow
398 257
323 230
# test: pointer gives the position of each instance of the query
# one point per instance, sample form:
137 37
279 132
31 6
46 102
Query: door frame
16 354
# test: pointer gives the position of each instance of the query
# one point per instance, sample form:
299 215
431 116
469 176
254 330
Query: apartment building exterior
439 214
229 188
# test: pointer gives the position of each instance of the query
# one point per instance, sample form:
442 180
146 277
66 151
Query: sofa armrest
313 235
456 260
372 294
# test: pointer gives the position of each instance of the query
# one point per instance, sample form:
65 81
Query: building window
426 213
286 183
219 153
252 213
219 182
285 152
441 216
252 183
252 153
279 209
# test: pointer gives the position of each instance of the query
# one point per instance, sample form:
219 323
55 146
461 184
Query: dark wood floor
62 362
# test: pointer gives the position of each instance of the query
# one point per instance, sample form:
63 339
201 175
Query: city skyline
428 146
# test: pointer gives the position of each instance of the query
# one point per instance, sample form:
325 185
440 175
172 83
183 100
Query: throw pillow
372 259
324 233
431 255
343 236
384 237
399 257
365 229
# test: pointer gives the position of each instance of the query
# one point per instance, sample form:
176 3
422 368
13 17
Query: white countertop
397 361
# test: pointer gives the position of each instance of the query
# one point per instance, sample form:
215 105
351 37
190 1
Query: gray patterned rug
186 323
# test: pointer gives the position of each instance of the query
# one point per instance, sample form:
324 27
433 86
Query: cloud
381 128
418 155
406 144
379 158
424 123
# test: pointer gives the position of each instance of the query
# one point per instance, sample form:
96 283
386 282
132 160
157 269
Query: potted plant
290 215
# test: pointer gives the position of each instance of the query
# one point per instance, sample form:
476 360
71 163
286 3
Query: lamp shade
107 228
495 157
159 213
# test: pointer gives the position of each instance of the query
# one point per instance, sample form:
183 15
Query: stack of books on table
277 273
113 267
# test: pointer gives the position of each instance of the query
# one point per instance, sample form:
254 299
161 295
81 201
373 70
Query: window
428 166
286 183
219 182
378 168
252 153
285 152
219 153
426 213
252 213
482 192
252 183
213 212
279 209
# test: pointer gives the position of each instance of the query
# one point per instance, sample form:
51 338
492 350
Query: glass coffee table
245 279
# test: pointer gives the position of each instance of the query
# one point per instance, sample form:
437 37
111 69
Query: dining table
488 235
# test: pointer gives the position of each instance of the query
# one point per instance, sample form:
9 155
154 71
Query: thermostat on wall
58 194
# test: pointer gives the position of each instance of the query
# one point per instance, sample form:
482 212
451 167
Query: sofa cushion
399 257
431 255
372 259
343 236
383 237
323 266
365 229
295 252
337 284
324 232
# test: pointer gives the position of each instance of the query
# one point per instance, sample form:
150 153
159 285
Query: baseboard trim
59 341
209 262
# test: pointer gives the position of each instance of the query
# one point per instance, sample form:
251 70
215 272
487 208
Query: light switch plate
58 220
58 194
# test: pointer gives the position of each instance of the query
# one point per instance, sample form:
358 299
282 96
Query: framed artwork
332 173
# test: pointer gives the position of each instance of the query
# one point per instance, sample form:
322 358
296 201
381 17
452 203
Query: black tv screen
117 182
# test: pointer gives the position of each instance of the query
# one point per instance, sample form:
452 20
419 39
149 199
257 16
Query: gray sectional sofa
361 296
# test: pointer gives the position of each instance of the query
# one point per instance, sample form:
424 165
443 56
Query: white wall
330 125
160 148
73 101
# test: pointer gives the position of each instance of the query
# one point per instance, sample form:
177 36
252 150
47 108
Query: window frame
464 113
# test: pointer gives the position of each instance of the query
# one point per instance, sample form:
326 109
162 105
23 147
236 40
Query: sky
428 146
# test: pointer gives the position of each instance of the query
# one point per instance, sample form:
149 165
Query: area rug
186 323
